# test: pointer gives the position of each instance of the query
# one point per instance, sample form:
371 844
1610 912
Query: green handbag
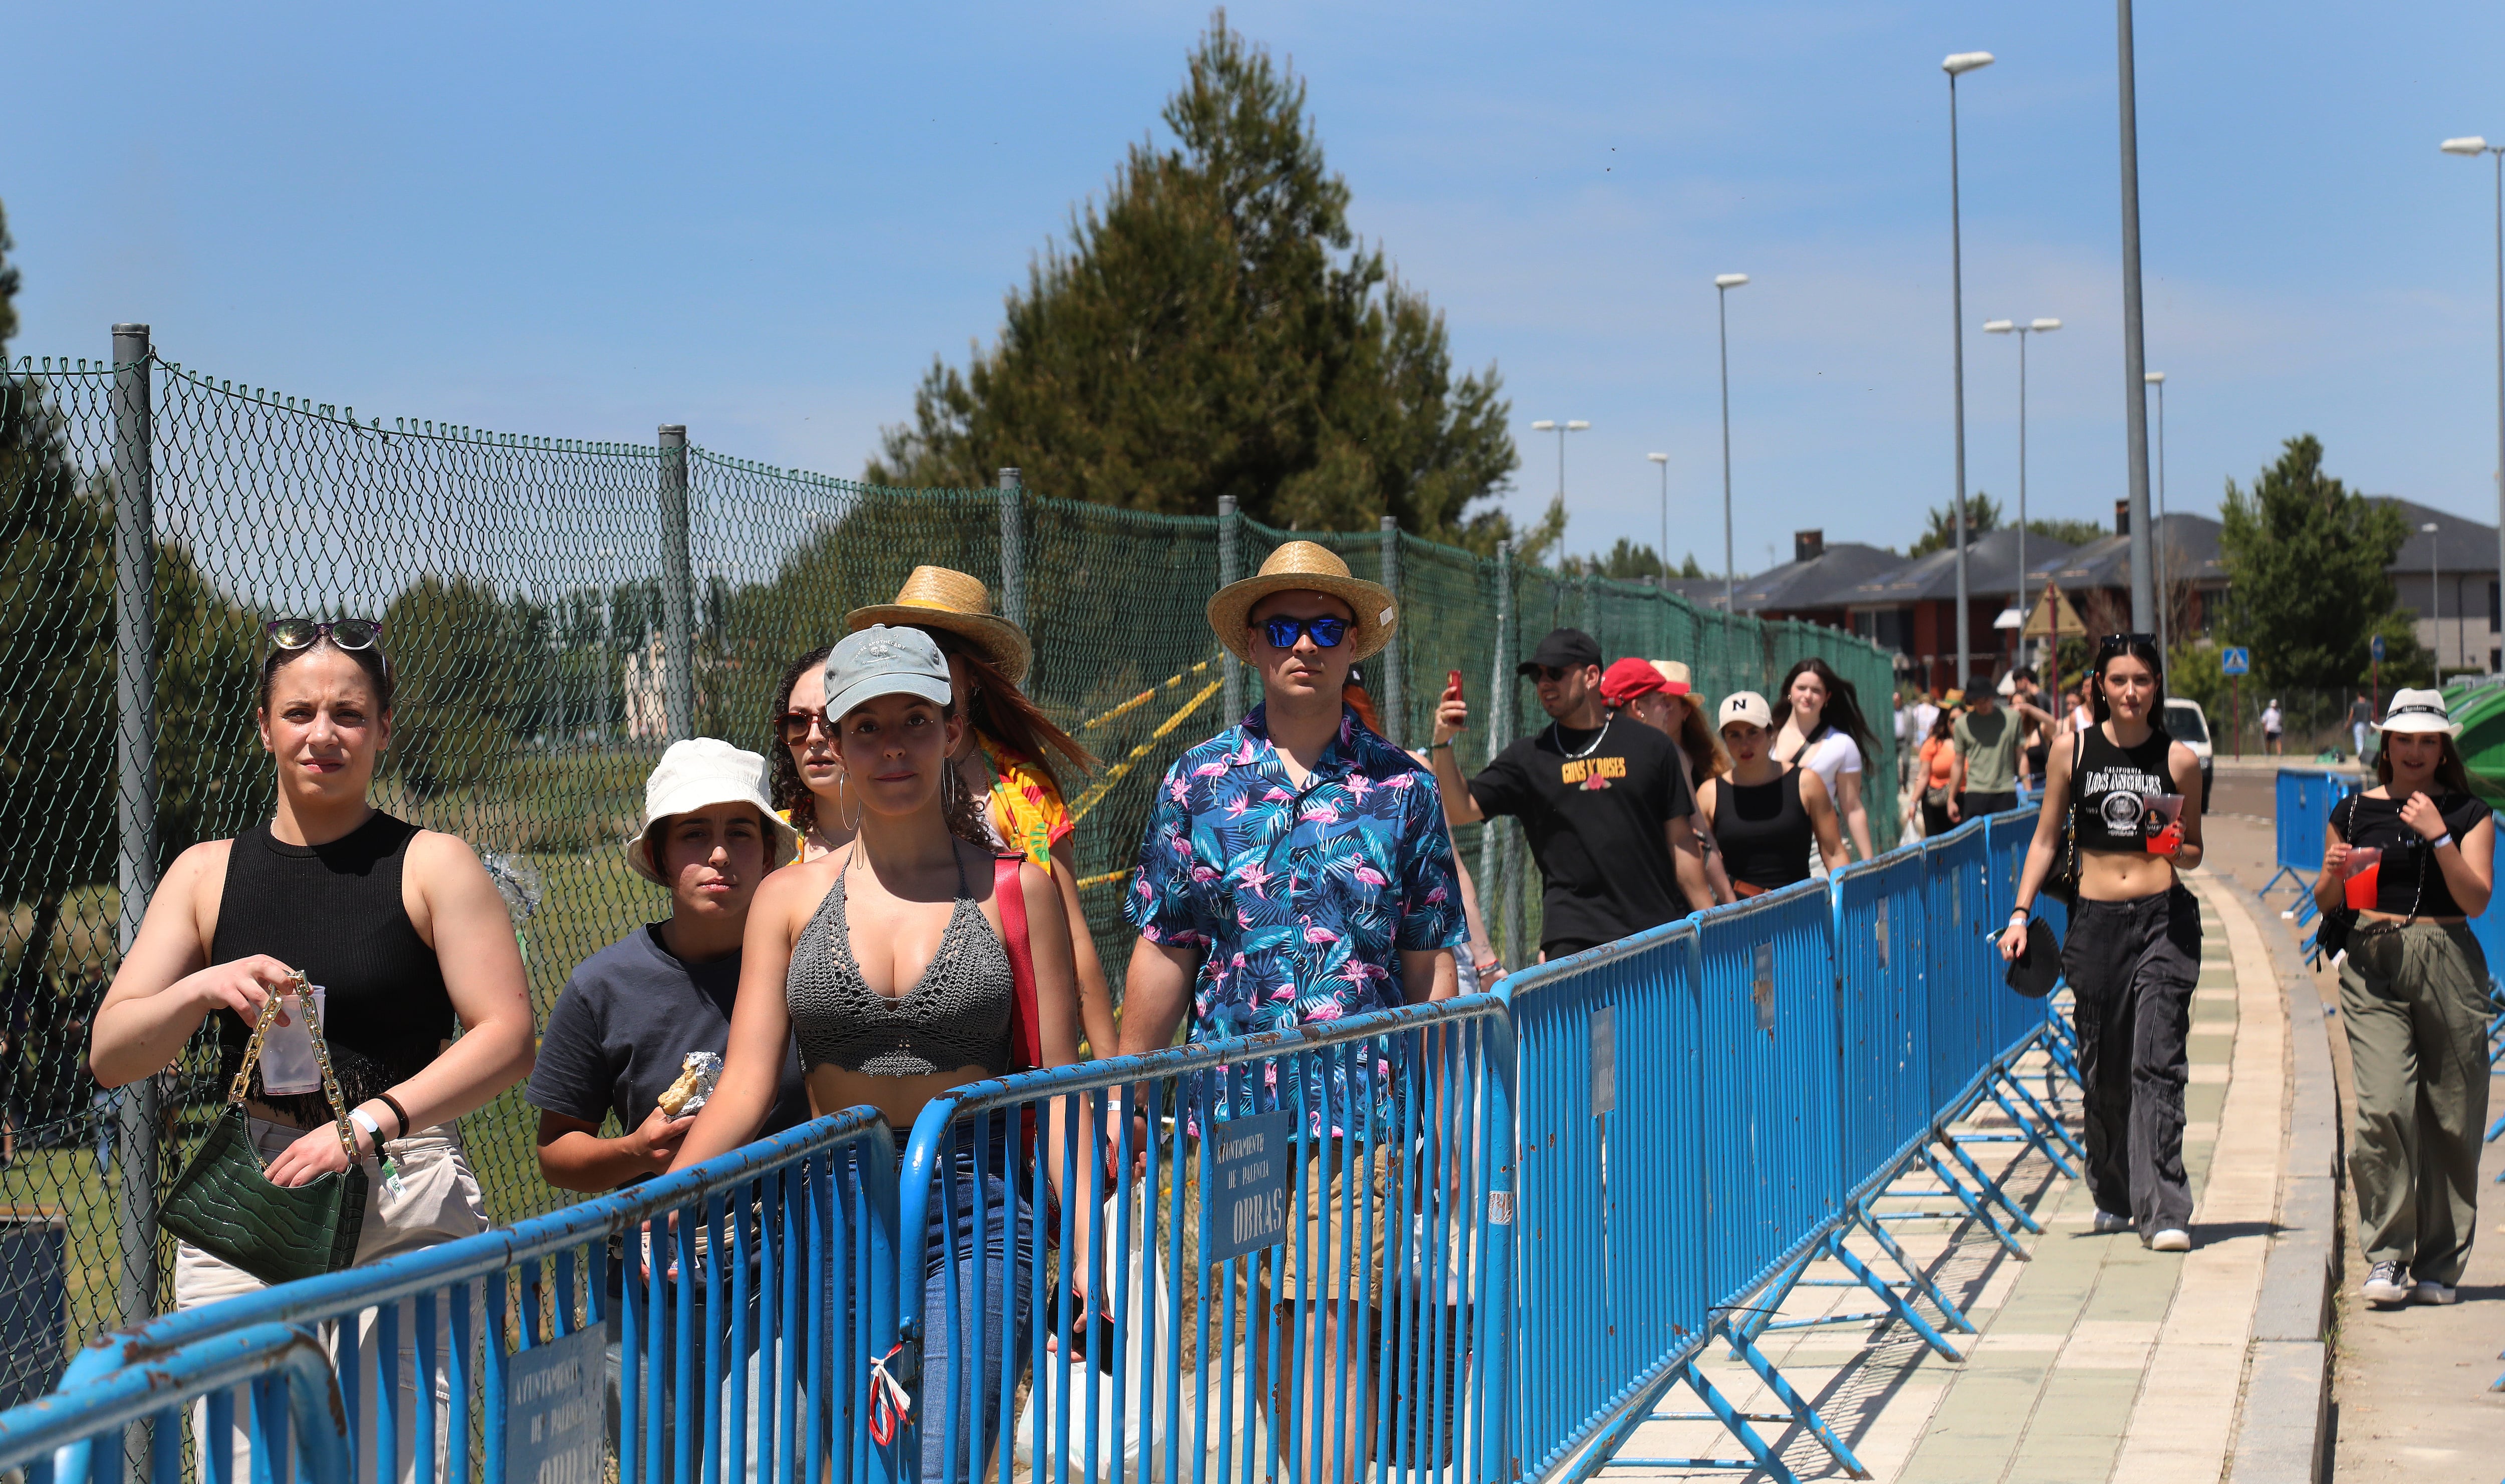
224 1203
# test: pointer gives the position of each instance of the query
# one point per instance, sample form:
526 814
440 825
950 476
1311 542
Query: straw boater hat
936 597
1301 566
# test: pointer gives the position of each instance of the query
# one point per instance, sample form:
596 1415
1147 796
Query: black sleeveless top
334 912
2109 787
1763 831
2410 883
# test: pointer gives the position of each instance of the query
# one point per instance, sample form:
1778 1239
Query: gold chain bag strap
224 1203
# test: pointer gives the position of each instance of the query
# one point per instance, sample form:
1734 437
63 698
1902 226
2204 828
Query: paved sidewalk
2099 1360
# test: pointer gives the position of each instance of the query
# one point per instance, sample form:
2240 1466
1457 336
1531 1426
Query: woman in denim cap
887 962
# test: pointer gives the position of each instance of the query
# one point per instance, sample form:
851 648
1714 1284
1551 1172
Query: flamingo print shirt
1300 899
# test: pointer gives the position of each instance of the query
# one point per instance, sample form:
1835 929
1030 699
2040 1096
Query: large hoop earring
951 789
851 826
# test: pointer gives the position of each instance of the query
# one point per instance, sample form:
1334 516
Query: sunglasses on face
797 722
1283 631
1549 673
304 633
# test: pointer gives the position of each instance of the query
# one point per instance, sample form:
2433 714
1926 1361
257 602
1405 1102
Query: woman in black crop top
1765 814
402 927
2413 998
2132 952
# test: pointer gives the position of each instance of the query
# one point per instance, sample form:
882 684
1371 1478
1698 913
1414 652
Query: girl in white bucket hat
2414 1000
639 1032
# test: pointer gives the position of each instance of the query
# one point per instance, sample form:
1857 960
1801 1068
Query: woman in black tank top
400 926
1765 813
2131 796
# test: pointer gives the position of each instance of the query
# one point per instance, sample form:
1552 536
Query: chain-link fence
556 611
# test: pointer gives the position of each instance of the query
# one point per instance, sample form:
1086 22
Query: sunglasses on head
1283 631
2115 644
304 633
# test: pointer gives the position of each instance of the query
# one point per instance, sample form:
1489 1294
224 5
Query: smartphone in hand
1452 685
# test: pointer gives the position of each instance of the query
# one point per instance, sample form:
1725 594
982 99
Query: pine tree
1215 327
2311 564
1982 515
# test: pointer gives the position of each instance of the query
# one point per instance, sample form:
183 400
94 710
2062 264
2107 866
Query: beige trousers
438 1202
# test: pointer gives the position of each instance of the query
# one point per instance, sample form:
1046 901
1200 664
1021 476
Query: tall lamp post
1723 284
2435 603
1663 459
1956 65
2165 594
2135 354
2475 146
1561 429
2032 326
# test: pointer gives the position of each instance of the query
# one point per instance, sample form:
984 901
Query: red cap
1630 677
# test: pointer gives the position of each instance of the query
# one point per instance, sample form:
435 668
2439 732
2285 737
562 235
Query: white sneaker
2107 1223
2173 1239
2384 1287
2430 1291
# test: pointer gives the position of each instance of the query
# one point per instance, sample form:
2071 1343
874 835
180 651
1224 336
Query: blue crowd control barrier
1319 1218
1882 960
803 1216
2304 802
1958 886
267 1358
1610 1116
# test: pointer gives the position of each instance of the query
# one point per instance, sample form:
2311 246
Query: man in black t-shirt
1607 809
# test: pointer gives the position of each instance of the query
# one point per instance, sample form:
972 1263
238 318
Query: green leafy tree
2310 562
1982 513
453 702
1215 327
2074 533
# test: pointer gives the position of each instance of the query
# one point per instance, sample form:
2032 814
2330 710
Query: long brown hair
1000 710
1697 739
791 794
2449 770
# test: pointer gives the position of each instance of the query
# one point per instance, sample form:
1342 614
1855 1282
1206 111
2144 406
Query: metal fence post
678 587
1228 568
1395 714
1012 549
134 604
1496 842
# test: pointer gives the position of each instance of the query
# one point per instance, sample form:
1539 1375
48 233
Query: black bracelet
397 1111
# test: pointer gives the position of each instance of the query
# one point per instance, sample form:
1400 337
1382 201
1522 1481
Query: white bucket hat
698 772
1746 706
2419 711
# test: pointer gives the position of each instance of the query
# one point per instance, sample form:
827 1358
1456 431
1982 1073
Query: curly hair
791 794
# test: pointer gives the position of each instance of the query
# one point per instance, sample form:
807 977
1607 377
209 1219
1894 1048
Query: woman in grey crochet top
884 961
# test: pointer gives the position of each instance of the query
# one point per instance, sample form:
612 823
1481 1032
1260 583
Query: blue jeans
960 1413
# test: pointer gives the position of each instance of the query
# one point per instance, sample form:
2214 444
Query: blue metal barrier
275 1360
1882 960
802 1216
1358 1174
2302 809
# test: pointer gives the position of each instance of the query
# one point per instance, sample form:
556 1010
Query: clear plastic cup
288 1064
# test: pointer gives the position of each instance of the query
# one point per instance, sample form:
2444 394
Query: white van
2186 723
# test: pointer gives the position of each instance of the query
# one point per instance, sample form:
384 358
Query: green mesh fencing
548 643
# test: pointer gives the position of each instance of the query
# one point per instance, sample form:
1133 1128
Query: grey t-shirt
622 1029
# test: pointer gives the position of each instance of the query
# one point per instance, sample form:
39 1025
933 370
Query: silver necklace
1557 735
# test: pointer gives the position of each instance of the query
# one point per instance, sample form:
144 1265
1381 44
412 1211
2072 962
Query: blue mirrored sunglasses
1283 631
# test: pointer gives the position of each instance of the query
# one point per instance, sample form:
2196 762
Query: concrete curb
2282 1432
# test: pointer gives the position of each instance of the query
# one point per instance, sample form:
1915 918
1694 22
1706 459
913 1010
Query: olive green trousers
2415 1000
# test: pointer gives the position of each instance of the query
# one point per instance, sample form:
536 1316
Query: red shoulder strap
1026 1029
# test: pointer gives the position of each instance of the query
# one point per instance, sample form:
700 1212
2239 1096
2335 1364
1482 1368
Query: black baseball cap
1565 648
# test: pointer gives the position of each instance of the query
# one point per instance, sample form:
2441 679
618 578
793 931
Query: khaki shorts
1343 1246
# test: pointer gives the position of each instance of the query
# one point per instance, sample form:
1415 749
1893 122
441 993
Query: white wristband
366 1120
2441 841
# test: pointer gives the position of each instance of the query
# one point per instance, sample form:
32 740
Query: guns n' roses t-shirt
1594 805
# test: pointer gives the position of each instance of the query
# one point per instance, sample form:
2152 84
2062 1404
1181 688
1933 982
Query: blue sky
764 220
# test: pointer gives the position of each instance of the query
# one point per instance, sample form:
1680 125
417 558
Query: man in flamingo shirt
1295 870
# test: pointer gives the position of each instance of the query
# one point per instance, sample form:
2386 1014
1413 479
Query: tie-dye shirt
1299 900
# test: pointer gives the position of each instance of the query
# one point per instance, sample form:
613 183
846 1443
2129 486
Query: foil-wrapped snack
698 1073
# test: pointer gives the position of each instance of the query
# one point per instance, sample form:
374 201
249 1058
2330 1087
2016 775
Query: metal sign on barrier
2235 659
1881 934
1249 1175
1762 988
555 1427
1604 1060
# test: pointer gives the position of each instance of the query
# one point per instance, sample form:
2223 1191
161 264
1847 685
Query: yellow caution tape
1143 698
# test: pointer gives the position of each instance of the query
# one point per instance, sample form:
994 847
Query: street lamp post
2134 353
2165 595
1663 459
2475 146
2032 326
2435 603
1956 65
1561 429
1723 284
